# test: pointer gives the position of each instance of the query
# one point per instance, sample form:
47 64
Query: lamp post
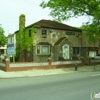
94 50
94 55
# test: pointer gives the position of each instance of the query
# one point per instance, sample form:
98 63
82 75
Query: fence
93 61
3 66
19 66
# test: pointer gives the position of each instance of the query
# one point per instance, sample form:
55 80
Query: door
65 50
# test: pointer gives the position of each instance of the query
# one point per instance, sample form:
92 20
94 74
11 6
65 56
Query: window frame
44 33
41 53
70 33
54 34
76 50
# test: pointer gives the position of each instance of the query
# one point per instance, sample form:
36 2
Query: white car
97 56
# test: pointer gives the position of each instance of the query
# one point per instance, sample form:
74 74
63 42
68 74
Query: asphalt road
74 86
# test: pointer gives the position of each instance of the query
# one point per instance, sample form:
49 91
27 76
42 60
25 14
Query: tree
24 42
3 40
64 9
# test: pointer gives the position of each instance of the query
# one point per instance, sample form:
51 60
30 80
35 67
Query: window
11 40
53 34
70 33
8 40
43 49
77 34
2 51
44 33
92 54
75 50
38 49
30 33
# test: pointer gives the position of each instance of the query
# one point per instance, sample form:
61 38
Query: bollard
75 67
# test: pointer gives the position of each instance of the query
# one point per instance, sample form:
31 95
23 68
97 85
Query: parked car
97 56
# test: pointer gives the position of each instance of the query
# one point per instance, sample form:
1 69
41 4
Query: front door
65 50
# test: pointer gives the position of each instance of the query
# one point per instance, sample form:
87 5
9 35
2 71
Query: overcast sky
10 11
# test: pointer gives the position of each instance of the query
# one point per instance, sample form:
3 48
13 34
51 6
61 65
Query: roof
43 43
54 25
59 41
10 35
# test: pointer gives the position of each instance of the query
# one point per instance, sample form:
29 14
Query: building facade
56 41
11 46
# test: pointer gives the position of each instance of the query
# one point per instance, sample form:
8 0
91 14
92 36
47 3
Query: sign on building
11 49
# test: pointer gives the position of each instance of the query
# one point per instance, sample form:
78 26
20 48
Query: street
73 86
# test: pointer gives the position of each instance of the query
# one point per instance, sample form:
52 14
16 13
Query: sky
10 10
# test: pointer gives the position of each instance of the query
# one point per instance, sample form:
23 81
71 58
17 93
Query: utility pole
94 55
94 50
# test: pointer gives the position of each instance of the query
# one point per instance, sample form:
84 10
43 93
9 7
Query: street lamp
94 50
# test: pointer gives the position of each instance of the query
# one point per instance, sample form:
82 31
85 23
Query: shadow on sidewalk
85 68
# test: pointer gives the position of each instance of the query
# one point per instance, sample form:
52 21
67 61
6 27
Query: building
51 40
11 46
56 41
3 52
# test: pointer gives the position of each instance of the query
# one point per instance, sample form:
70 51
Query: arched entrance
65 51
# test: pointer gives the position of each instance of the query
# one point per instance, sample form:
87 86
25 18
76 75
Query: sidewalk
39 72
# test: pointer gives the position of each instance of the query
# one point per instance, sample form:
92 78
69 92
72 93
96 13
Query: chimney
21 22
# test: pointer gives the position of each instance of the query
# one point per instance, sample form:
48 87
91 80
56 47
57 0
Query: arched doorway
65 51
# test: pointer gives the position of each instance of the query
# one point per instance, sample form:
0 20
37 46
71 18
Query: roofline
75 29
58 29
64 29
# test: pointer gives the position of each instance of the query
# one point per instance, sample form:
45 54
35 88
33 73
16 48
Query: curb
36 72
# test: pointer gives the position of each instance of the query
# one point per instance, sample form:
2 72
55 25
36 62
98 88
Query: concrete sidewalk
39 72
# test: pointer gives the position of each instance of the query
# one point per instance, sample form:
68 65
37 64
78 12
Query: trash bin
76 67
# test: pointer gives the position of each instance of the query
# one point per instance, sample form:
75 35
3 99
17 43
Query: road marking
96 75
